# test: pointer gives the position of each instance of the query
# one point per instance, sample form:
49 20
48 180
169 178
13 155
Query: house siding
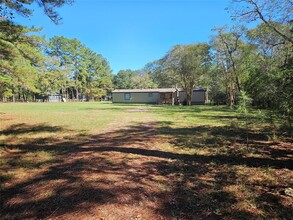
182 96
198 97
141 97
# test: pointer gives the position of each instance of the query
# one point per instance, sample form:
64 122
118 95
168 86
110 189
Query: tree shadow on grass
227 140
78 180
103 174
23 128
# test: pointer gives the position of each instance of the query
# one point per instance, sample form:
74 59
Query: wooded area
257 61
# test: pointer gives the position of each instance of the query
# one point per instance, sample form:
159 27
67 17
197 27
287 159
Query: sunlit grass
76 116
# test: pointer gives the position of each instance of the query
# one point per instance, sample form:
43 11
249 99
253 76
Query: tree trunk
189 96
76 89
72 94
77 93
230 89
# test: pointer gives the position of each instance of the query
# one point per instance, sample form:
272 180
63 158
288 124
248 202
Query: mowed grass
76 116
101 160
28 130
25 122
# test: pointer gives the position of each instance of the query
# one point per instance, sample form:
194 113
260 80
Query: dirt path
106 177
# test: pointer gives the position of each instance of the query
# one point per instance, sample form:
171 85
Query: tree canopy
188 63
20 57
9 7
130 79
30 66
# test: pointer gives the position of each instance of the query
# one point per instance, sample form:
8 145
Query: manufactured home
157 96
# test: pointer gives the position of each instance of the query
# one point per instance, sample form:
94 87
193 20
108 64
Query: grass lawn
106 161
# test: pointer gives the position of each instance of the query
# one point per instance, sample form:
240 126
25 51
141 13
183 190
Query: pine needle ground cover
99 160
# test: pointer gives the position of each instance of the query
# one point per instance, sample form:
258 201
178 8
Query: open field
105 161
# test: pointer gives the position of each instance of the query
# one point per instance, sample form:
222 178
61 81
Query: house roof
160 90
200 89
194 89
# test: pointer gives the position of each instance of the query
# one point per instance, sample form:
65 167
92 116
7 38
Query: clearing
106 161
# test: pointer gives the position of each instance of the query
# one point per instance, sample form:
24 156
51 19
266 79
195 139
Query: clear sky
131 33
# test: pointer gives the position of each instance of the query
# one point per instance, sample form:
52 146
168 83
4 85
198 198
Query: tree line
32 68
256 62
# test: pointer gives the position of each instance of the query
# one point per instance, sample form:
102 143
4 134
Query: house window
127 96
150 94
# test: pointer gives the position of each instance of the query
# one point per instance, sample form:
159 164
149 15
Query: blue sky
131 33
